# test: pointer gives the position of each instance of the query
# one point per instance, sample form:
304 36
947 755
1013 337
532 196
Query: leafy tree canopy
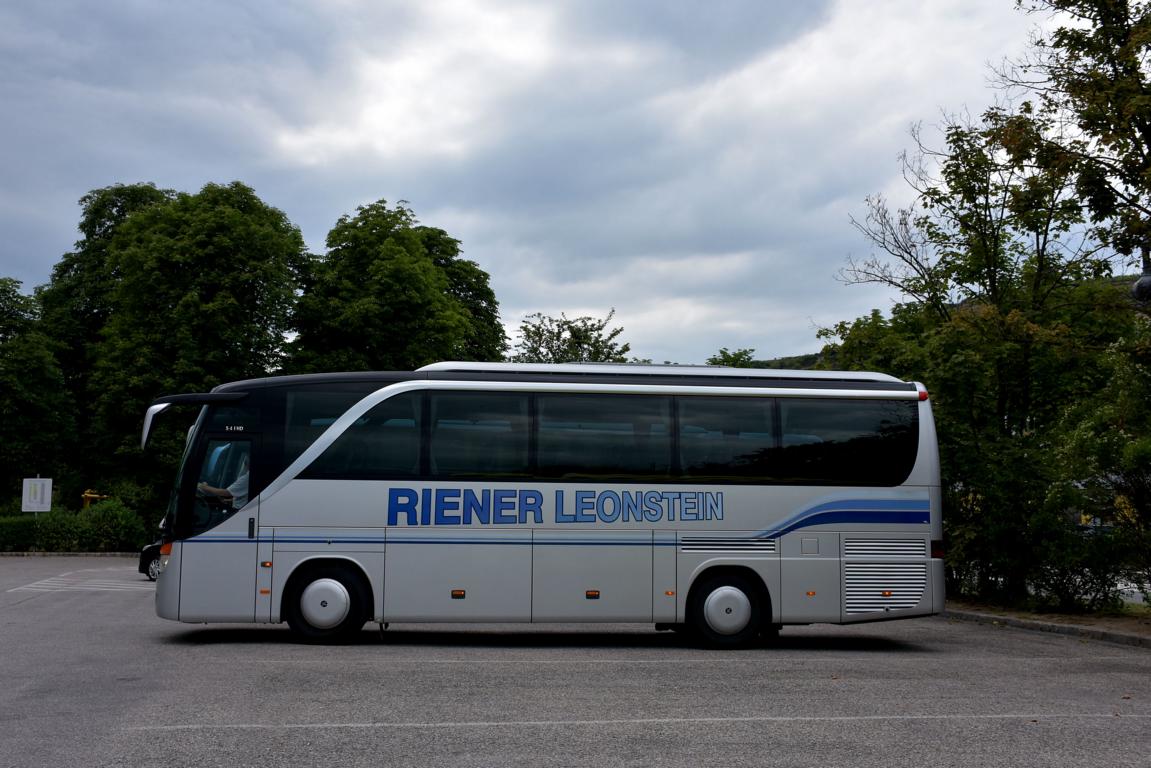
545 339
18 313
203 293
35 410
1008 312
392 295
740 358
1091 70
77 300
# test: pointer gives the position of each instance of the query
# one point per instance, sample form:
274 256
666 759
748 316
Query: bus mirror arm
161 404
149 417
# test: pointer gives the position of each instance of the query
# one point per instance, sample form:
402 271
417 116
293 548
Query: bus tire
725 610
328 603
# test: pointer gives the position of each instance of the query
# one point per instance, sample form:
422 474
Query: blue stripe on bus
856 511
398 540
848 511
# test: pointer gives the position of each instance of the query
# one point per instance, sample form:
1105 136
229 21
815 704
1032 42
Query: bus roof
599 373
633 369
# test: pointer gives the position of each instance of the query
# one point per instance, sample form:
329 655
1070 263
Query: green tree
393 295
204 288
740 358
586 339
1105 451
18 313
35 410
1008 314
484 339
1091 68
77 300
76 304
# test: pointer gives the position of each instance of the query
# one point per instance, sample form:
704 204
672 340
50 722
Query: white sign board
37 494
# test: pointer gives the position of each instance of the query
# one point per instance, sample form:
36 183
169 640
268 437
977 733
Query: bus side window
479 434
309 412
604 436
727 438
383 443
848 441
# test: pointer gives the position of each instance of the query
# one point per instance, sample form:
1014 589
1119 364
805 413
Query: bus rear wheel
726 611
326 604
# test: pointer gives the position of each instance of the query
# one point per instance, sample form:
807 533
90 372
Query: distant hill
797 362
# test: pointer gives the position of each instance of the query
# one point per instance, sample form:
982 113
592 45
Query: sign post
37 494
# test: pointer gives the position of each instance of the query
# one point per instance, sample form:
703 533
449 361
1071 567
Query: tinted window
604 436
384 443
308 412
243 416
727 438
223 485
847 442
479 434
488 435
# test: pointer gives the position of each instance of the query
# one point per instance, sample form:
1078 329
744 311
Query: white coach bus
727 502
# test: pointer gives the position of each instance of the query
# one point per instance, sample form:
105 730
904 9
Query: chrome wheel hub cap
727 610
325 603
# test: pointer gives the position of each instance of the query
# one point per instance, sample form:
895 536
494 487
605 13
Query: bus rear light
887 593
923 394
592 594
811 593
937 549
459 594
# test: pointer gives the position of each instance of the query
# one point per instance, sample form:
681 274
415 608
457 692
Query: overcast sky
693 165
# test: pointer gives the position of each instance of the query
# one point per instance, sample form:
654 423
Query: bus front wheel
326 604
726 611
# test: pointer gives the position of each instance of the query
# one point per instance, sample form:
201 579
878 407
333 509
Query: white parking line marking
639 721
120 580
472 662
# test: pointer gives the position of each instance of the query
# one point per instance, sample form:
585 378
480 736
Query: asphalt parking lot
92 678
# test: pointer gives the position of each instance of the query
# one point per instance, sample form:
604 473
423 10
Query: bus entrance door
219 561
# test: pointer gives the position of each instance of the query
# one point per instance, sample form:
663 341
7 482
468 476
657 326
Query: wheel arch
300 571
731 569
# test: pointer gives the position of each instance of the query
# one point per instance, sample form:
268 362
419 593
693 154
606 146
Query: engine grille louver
881 548
881 587
871 587
722 545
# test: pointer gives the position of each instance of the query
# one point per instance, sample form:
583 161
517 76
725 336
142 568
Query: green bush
139 498
113 527
108 526
1081 569
61 531
17 533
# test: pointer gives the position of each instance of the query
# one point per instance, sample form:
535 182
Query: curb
1073 630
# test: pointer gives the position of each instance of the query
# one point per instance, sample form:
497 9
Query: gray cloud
692 166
